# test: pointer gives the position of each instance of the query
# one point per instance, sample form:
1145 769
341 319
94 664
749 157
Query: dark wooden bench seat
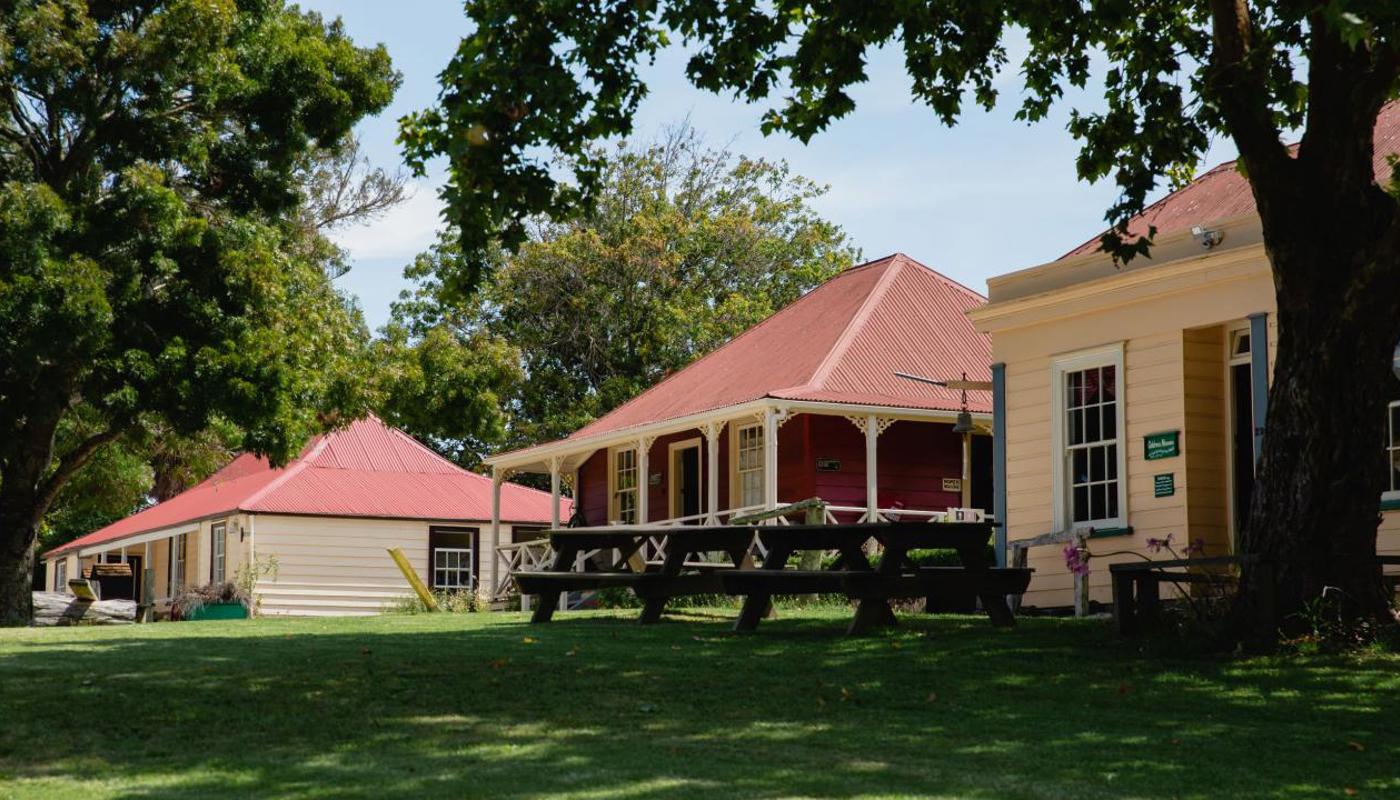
926 580
783 581
644 584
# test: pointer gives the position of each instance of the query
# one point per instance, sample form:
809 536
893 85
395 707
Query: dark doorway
1241 445
687 476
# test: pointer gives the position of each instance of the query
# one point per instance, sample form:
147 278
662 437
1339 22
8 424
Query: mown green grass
594 706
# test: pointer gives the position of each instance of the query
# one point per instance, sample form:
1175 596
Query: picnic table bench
1137 596
676 576
852 574
872 587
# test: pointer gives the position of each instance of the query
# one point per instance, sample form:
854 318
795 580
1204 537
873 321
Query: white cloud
401 234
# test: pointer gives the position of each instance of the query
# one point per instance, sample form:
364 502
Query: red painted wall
914 457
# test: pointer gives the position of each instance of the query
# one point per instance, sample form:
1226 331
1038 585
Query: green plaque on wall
1164 485
1161 445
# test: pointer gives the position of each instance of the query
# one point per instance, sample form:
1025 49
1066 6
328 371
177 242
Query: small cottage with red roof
1131 398
805 404
327 519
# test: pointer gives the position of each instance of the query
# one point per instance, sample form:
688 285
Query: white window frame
466 560
615 493
218 552
759 467
1392 451
178 545
1060 367
60 575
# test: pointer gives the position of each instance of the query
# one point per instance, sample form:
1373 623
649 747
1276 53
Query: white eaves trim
191 526
538 458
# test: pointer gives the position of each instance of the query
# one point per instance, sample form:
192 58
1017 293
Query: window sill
1104 533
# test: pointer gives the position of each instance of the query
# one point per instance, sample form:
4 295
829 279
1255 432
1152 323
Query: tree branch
1238 86
71 462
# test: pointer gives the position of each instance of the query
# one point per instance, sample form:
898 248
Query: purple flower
1196 548
1158 545
1076 560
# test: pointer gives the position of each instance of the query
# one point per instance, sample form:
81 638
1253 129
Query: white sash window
749 464
1087 434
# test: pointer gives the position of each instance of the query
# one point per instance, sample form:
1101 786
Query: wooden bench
1137 595
677 576
872 587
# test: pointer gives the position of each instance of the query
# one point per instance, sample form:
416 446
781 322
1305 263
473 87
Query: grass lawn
597 707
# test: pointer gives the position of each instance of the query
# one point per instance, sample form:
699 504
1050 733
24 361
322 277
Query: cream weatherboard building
327 519
1131 400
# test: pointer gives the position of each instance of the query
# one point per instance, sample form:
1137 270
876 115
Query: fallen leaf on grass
932 697
528 640
497 663
1357 746
1350 792
1124 688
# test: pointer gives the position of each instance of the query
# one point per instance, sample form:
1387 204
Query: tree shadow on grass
596 706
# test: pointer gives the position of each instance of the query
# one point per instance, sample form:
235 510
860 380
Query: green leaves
154 274
538 80
684 247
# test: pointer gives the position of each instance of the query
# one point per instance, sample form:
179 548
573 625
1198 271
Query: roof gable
840 342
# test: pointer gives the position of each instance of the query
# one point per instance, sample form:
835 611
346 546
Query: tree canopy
686 247
151 263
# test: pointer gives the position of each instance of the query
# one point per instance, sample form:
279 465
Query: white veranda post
555 464
643 478
712 431
771 419
496 478
872 480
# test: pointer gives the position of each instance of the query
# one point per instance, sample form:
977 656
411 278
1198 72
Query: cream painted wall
340 566
1174 380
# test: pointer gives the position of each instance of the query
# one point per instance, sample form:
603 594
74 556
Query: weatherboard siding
1174 379
340 566
1166 386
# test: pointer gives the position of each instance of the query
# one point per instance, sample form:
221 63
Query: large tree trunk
1316 505
24 499
17 538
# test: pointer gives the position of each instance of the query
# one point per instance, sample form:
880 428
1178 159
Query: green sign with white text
1161 445
1164 485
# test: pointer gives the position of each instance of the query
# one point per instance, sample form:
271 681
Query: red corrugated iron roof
367 469
1223 192
839 343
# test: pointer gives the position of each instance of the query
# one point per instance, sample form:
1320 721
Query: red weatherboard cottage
804 404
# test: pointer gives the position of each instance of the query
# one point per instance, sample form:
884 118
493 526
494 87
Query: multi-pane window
1393 449
750 465
177 564
60 576
625 486
452 568
1091 443
220 543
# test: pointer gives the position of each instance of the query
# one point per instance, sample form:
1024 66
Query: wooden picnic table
872 587
676 576
852 575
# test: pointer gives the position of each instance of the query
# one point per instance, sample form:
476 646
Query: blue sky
986 197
